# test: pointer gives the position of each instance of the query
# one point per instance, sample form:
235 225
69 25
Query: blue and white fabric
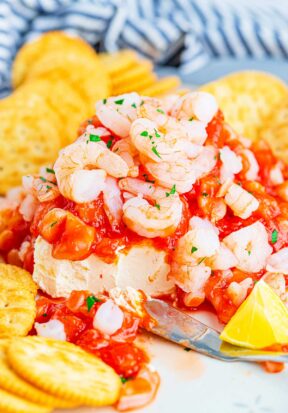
184 32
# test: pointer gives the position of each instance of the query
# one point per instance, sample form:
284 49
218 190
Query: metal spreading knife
179 327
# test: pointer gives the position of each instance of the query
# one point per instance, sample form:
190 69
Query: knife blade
181 328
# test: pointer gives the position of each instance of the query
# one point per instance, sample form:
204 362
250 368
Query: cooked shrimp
201 105
108 318
42 187
223 259
237 292
250 246
52 329
201 241
159 146
278 262
28 207
138 187
231 164
277 282
192 280
276 175
150 221
117 113
183 172
251 174
84 185
127 151
240 201
112 202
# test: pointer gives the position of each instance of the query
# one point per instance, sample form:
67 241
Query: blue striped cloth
189 32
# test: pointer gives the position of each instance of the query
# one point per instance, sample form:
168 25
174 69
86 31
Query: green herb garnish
134 105
172 192
50 171
119 102
202 259
94 138
144 133
204 194
156 133
104 101
157 206
123 379
90 301
154 150
274 236
193 249
109 143
160 111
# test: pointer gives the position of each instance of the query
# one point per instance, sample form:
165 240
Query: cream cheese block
142 267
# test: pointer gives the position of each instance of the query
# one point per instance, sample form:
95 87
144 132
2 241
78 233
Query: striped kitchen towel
189 32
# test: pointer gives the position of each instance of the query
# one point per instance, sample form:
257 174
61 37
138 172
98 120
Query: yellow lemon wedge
260 321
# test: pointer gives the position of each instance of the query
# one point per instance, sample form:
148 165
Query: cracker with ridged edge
15 276
9 403
119 62
64 370
247 99
12 383
46 44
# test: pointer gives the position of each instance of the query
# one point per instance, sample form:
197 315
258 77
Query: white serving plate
192 383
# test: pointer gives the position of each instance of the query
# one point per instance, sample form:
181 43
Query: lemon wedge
260 321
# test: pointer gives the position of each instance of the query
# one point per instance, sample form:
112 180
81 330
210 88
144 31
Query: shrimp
160 220
183 172
52 329
108 318
42 187
240 201
112 202
250 246
201 105
147 189
276 175
238 292
161 146
192 280
28 207
223 259
278 262
201 241
127 151
84 185
251 174
231 164
277 282
117 113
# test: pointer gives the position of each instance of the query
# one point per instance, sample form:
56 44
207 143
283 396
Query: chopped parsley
104 101
187 349
157 206
249 253
154 150
202 259
50 171
147 179
109 143
45 315
160 111
94 138
53 224
193 249
119 102
123 379
190 120
134 105
156 133
43 179
204 194
142 102
144 133
172 192
274 236
48 187
90 301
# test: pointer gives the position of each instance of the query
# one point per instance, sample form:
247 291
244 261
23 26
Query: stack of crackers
57 79
38 374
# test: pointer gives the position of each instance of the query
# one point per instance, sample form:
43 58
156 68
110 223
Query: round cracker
119 62
135 85
247 98
15 277
30 136
275 130
12 383
64 370
43 45
10 403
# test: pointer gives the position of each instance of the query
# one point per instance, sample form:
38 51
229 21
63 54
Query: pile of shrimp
167 138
